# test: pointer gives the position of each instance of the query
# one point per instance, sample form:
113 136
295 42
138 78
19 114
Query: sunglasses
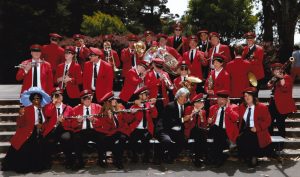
183 69
68 52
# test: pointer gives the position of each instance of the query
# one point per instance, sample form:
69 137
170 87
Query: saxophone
210 83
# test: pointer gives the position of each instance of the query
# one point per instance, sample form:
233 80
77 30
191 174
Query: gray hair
182 91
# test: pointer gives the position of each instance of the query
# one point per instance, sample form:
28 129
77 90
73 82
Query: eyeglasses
177 29
68 52
92 55
183 69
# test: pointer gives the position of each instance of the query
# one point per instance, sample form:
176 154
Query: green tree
231 18
100 23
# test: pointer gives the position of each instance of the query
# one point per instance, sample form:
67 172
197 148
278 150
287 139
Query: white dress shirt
36 116
140 126
218 117
212 55
217 72
38 72
98 69
84 120
251 115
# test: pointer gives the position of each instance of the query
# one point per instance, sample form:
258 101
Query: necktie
157 76
34 76
192 56
40 117
181 111
88 124
116 120
248 117
65 73
144 117
197 117
58 111
221 118
95 75
132 58
77 53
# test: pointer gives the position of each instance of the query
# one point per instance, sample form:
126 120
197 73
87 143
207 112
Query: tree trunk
268 21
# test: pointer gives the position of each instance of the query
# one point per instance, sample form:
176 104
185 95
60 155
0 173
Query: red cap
96 51
219 57
182 63
36 48
107 37
85 93
78 36
197 98
142 63
212 34
56 90
148 33
223 93
251 90
276 65
160 35
107 97
55 35
70 48
194 38
158 62
132 37
250 35
141 90
178 25
202 31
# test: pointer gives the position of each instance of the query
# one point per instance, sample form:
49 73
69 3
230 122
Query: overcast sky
179 6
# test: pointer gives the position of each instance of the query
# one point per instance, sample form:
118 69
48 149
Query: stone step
9 101
292 122
6 135
10 117
7 126
266 99
4 147
9 108
292 143
290 132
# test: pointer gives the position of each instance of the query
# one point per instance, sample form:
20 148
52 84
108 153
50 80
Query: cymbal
193 79
252 79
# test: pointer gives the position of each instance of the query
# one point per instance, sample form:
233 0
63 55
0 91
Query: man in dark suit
170 128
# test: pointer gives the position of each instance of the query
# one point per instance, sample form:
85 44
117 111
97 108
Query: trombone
108 56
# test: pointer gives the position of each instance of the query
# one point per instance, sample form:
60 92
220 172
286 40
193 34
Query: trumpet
108 56
140 48
131 110
275 78
33 64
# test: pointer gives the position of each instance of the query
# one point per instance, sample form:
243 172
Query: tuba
140 48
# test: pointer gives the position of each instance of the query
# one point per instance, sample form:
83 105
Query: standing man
128 55
178 41
148 39
98 75
162 41
82 52
255 55
281 103
218 48
52 52
204 46
238 70
35 72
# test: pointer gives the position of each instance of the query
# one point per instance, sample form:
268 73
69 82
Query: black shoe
78 165
118 164
170 160
102 163
134 158
156 161
146 159
198 163
253 162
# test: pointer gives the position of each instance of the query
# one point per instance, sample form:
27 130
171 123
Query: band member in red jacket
218 79
134 80
219 48
148 39
204 46
178 42
110 55
255 55
196 128
90 127
69 77
26 153
254 122
162 41
118 129
238 70
35 72
82 52
57 128
128 55
281 103
52 52
141 123
223 119
98 75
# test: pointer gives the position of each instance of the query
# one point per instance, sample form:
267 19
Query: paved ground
180 169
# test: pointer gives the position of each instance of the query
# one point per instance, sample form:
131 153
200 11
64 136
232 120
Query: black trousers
160 111
83 137
171 141
200 145
220 142
70 101
116 143
29 158
59 134
144 136
278 119
248 146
